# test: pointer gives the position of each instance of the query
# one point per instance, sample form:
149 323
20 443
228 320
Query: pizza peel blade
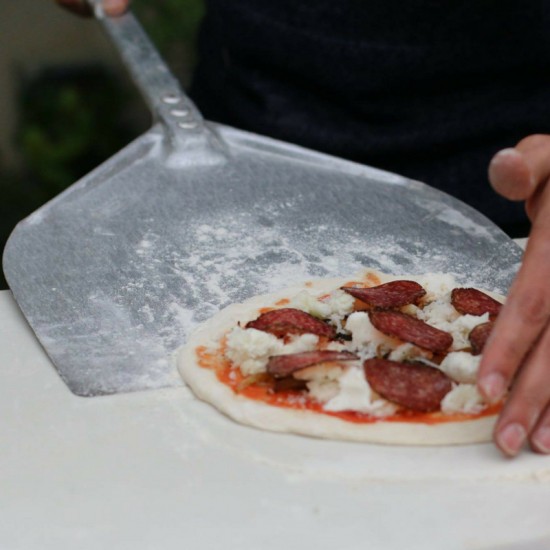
116 272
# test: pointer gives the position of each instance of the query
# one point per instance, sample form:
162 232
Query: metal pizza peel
116 272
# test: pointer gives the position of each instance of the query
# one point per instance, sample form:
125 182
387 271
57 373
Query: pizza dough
204 382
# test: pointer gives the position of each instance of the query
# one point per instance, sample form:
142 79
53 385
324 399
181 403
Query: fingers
527 404
521 338
510 175
519 349
534 203
115 7
541 437
81 7
516 173
519 324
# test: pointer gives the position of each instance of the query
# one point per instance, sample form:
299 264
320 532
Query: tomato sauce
298 400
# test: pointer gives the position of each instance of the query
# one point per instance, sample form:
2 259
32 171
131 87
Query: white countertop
161 470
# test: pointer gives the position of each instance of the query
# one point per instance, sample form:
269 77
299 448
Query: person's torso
429 89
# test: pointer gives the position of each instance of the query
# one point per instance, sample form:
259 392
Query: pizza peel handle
182 122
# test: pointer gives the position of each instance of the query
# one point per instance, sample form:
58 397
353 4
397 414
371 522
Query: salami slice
285 321
470 301
414 386
280 366
288 384
478 337
410 329
388 295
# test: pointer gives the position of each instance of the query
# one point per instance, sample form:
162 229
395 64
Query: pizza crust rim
206 386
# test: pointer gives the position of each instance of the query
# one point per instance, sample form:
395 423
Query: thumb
517 173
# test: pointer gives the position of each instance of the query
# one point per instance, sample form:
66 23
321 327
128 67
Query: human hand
81 7
517 354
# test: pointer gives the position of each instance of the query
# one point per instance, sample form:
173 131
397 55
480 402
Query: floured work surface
115 273
205 478
307 458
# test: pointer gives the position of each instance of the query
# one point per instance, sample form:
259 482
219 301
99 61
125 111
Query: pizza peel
115 272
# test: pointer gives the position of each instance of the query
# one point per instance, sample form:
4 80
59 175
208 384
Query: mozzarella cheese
365 336
436 284
322 380
463 398
442 315
299 344
461 328
344 388
323 390
439 312
461 366
338 304
250 349
355 394
409 352
310 304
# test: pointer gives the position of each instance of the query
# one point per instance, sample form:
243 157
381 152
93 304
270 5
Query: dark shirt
429 89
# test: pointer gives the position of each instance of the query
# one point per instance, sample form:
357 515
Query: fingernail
541 440
510 174
511 438
493 386
508 152
503 157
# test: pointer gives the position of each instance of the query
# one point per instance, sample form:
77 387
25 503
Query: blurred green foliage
173 26
170 21
71 119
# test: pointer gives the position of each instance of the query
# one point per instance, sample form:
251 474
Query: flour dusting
174 246
236 255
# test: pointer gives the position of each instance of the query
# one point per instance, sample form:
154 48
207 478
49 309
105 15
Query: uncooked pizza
373 358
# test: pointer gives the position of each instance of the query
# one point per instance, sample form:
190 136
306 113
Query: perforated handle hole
187 125
179 113
171 99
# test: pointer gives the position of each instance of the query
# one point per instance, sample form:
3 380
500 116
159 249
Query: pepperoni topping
470 301
410 329
280 366
285 321
288 384
478 337
414 386
388 295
